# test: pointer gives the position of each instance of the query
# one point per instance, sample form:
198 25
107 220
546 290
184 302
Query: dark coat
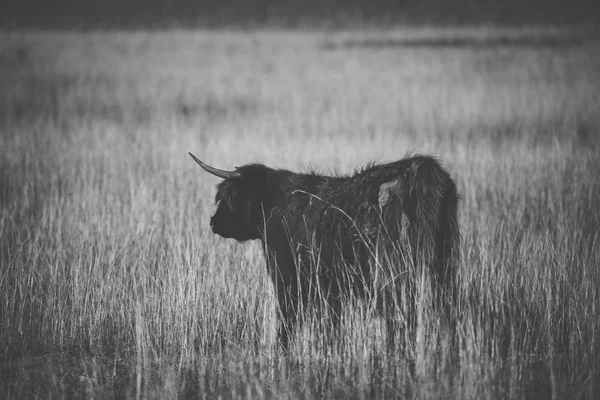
330 236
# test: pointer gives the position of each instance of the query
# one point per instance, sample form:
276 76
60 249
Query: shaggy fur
330 236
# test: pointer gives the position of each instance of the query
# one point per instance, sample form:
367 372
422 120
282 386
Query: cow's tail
433 194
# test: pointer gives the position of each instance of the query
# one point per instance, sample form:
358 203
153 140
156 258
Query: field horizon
113 285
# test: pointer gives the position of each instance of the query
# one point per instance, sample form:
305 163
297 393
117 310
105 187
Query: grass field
112 285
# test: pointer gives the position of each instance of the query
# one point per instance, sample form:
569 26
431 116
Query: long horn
217 172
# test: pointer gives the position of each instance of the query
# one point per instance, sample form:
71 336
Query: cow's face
238 212
239 201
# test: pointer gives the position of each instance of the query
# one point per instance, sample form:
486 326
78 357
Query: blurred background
292 13
111 281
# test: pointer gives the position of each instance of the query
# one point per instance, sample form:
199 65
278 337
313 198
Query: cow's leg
287 298
335 314
282 268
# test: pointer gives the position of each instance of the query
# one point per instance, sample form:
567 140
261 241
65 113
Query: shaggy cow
328 236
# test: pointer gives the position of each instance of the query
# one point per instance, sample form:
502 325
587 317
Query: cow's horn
217 172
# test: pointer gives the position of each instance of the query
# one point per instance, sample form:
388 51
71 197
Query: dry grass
112 285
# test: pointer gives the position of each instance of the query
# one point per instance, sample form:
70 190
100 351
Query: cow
330 236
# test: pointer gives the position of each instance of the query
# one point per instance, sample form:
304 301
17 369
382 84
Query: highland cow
327 236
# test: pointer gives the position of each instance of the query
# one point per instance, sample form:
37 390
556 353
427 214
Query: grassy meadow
113 285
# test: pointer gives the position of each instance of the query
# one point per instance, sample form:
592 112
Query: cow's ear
387 189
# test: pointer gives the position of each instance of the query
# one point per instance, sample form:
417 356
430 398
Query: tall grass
112 284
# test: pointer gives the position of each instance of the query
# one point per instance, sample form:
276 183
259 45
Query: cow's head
241 198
